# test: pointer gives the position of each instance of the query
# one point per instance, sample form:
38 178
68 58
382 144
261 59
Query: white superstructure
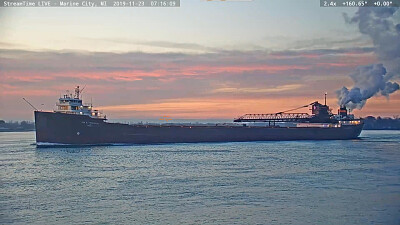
72 104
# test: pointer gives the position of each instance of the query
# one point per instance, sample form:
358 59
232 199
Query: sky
203 60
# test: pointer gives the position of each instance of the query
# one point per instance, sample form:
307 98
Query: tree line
16 126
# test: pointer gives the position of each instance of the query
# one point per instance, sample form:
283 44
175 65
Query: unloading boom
275 117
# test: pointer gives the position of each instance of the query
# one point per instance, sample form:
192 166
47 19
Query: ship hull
68 129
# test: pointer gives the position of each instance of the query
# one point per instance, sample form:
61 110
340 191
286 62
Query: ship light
80 113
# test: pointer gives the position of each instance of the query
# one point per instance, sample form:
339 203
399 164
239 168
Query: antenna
81 91
30 104
325 97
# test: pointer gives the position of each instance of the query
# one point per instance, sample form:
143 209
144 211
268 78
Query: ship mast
77 91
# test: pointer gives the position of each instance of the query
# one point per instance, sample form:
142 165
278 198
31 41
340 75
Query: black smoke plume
383 27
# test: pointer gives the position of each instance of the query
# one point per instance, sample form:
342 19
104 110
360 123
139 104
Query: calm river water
290 182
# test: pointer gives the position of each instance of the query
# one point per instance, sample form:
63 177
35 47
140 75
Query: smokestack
376 79
342 111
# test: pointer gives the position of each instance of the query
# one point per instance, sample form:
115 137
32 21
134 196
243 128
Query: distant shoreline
17 130
12 126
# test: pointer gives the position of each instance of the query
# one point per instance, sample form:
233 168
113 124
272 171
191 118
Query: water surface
290 182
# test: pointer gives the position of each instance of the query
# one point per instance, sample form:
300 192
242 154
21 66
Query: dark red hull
60 128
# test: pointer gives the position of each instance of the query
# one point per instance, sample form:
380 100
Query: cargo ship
74 123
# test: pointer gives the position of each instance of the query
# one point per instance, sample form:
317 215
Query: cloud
147 78
166 45
188 108
324 52
159 64
282 88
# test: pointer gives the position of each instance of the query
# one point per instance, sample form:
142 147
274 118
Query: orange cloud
229 108
203 108
241 68
125 78
280 88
